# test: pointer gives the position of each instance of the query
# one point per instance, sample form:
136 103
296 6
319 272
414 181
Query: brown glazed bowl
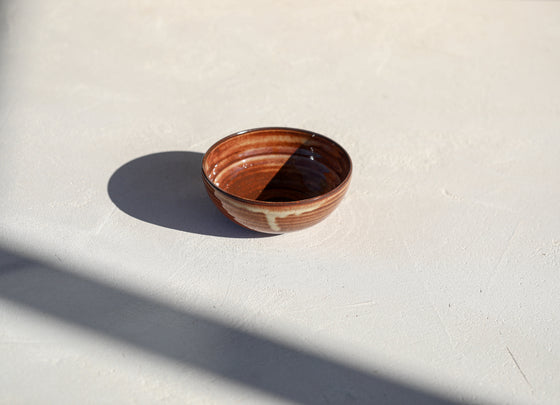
276 180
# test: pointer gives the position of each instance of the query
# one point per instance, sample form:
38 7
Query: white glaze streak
270 215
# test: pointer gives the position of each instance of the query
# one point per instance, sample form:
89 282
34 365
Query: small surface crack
519 368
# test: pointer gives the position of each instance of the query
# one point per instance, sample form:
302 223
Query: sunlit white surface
438 274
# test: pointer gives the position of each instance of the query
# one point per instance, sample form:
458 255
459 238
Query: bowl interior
276 165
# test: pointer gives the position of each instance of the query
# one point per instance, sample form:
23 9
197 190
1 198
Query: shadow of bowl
166 189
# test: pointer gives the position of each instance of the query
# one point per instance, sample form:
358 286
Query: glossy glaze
276 180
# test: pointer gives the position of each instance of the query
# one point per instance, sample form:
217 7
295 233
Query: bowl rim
250 201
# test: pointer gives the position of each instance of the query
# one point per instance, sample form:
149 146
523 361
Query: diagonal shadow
311 170
166 189
182 336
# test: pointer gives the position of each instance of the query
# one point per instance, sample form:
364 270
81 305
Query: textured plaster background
436 280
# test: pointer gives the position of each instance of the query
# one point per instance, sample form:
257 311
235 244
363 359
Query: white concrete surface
436 280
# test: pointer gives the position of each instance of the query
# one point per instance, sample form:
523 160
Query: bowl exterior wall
275 218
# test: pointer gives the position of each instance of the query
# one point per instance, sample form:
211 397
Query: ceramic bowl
276 180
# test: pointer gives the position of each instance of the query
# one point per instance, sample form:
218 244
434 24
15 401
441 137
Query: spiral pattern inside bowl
276 165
